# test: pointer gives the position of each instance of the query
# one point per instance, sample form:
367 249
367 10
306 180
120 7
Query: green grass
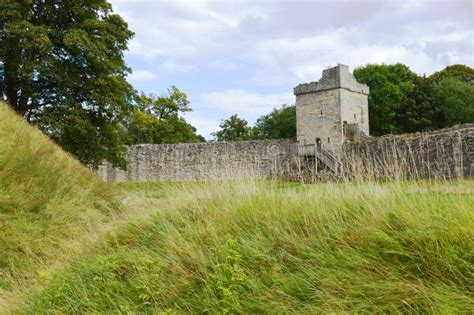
261 247
49 205
72 244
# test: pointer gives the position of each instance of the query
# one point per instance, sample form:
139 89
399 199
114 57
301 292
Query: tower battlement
333 78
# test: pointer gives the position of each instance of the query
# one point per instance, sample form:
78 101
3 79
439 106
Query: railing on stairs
322 154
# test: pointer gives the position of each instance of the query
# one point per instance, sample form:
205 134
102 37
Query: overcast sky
245 57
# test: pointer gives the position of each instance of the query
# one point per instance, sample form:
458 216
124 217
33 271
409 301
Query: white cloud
242 101
239 48
246 104
204 125
142 75
289 41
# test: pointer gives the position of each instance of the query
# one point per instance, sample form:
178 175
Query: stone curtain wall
219 160
445 153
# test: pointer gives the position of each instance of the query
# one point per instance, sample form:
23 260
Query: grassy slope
224 246
49 204
253 247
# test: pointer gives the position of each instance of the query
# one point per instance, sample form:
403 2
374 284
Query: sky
245 57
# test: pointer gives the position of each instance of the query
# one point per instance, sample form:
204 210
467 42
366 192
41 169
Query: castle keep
332 135
330 112
332 109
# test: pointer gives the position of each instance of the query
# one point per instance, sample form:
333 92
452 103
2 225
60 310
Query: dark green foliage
417 111
62 67
459 72
233 129
156 120
401 102
89 137
388 87
146 128
279 124
441 100
455 100
164 106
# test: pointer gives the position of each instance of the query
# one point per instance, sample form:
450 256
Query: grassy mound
259 247
224 247
48 204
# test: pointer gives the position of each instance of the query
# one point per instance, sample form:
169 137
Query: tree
166 105
233 129
156 120
388 87
279 124
455 101
459 72
418 111
146 128
438 101
62 68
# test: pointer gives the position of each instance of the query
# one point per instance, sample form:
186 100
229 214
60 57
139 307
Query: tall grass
49 204
70 243
268 247
443 154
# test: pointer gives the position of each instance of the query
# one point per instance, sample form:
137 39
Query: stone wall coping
216 143
408 136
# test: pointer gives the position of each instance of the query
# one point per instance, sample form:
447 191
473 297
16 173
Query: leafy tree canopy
157 120
279 124
441 100
165 105
455 100
62 67
459 72
388 87
233 129
417 111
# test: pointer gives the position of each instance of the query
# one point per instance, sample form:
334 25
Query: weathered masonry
332 137
445 153
218 160
332 110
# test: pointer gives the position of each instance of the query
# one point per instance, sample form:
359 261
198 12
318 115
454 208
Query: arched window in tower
355 116
321 112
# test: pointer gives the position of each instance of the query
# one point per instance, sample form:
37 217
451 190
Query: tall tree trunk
23 104
11 78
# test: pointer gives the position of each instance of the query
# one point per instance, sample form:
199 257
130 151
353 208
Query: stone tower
331 110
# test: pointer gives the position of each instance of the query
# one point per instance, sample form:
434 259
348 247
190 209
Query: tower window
355 116
321 112
329 140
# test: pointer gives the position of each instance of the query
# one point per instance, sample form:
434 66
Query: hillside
263 247
73 244
49 205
